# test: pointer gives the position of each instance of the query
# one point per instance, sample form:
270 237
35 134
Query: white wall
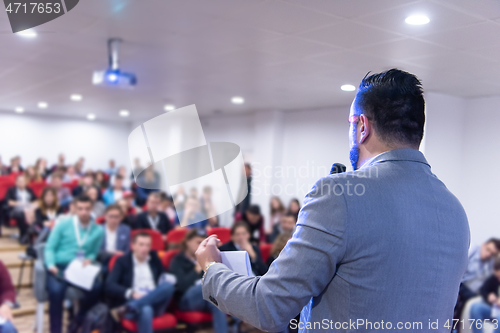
32 137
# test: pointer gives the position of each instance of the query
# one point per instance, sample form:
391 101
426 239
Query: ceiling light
237 100
348 87
27 33
76 97
19 109
169 107
124 113
42 105
91 116
417 19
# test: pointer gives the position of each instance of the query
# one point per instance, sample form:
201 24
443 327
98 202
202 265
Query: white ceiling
277 54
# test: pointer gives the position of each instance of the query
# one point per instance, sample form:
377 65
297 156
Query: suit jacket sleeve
113 287
304 268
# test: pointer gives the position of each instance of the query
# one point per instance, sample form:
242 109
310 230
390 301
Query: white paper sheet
237 261
80 276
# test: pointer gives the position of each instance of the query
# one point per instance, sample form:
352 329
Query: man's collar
137 262
404 154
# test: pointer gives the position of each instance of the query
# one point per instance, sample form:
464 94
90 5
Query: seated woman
240 241
19 198
189 274
98 207
278 245
47 211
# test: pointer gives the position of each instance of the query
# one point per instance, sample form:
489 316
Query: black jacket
121 277
164 225
183 269
489 286
40 217
12 195
258 265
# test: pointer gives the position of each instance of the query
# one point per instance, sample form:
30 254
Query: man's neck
112 228
84 223
153 213
140 260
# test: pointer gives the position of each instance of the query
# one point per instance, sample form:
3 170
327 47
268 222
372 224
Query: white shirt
143 277
153 222
110 240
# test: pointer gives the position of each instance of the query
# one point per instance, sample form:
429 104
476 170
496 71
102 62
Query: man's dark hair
495 242
254 209
290 214
239 224
140 234
394 101
190 235
83 198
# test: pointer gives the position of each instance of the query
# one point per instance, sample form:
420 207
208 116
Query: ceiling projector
113 76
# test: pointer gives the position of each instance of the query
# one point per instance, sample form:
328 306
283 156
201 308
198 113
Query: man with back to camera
381 248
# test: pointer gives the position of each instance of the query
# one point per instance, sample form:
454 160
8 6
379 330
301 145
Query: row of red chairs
37 187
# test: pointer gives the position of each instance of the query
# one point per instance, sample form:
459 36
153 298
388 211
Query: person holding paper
75 238
188 288
133 286
240 241
374 248
7 299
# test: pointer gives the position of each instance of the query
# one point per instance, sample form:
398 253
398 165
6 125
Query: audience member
3 168
86 182
63 193
61 163
133 286
101 179
122 172
277 209
179 199
32 175
71 174
98 206
294 207
41 168
240 241
79 166
78 238
7 300
253 218
111 170
489 308
48 209
15 165
192 216
189 273
153 218
129 216
286 225
116 235
148 181
167 206
242 207
479 268
115 192
19 198
278 245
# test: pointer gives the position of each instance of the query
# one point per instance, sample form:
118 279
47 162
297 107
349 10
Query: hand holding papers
80 275
237 261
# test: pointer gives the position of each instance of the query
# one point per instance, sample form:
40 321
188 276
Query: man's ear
365 128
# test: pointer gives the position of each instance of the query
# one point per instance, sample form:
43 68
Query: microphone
337 168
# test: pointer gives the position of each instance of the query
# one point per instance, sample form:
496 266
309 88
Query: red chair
224 234
157 243
175 237
100 220
191 318
5 183
71 185
164 322
37 187
265 251
166 257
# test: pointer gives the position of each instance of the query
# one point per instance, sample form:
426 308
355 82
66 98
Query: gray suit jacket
383 245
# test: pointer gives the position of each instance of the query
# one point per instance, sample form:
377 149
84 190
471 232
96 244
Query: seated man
133 287
489 309
153 218
286 225
7 298
479 268
192 216
117 235
188 287
240 241
19 198
77 237
115 192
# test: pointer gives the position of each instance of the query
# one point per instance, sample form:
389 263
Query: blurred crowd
148 264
